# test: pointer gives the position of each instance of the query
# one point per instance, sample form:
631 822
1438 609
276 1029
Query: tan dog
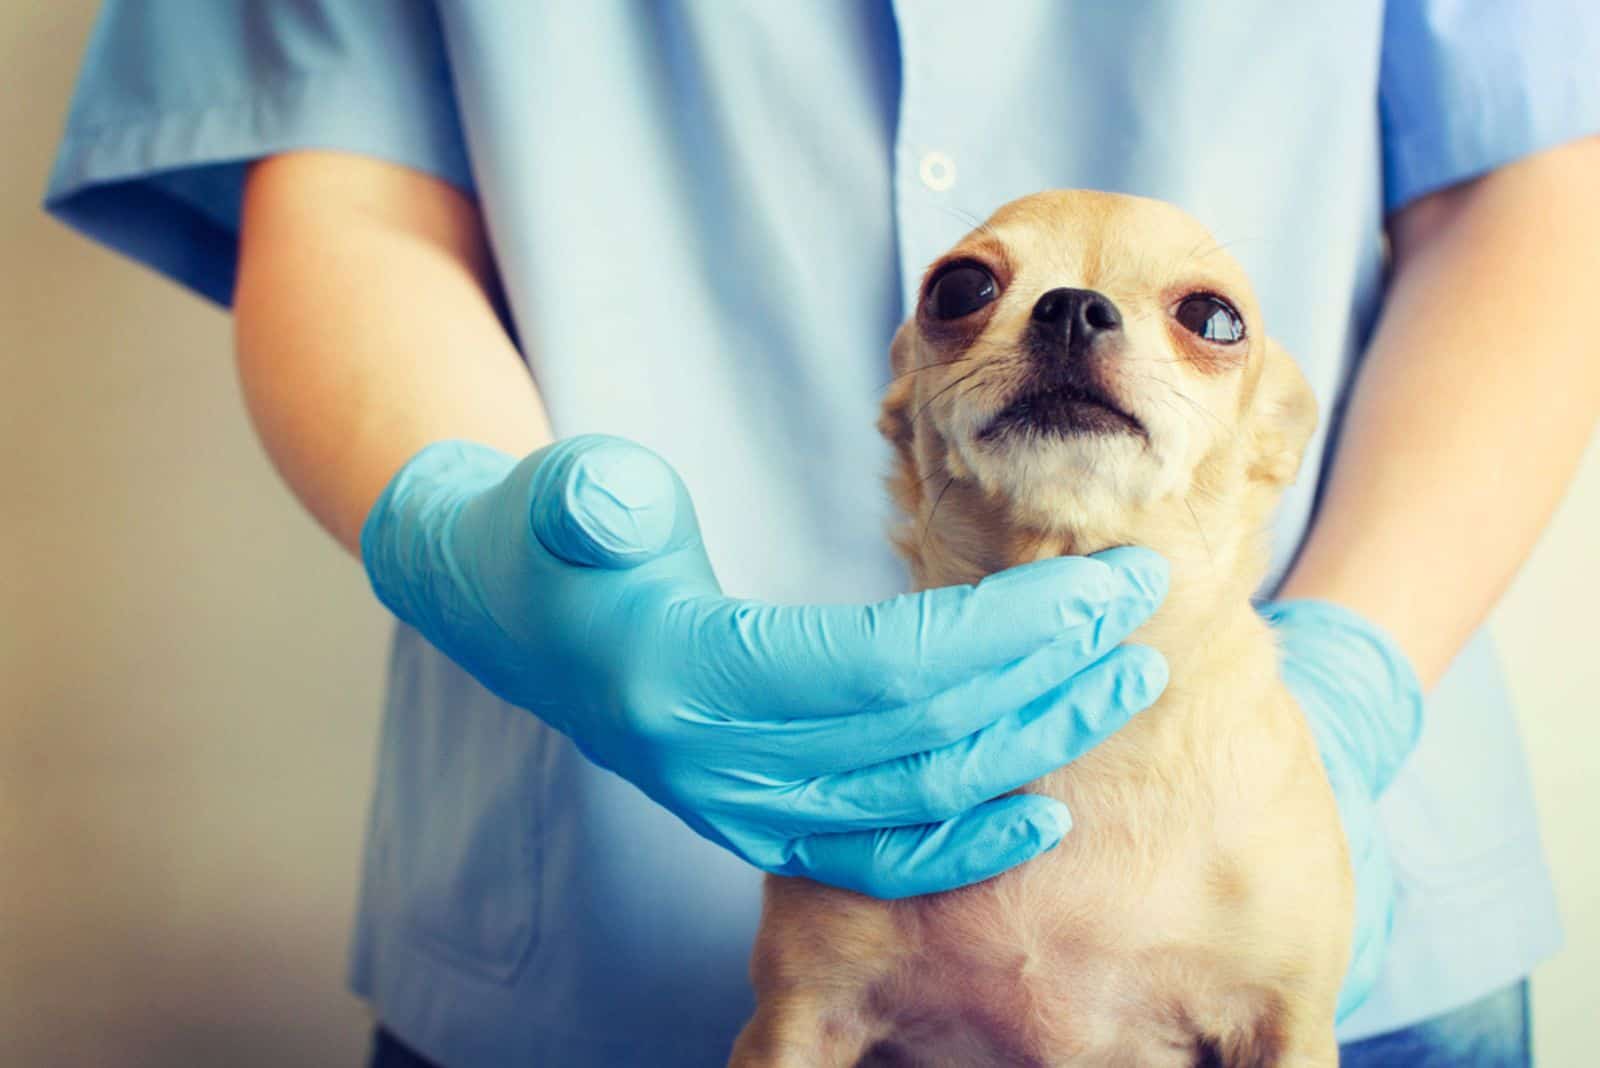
1084 371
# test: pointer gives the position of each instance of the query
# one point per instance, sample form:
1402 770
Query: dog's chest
1103 951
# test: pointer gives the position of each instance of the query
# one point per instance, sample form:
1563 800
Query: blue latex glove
1364 704
863 746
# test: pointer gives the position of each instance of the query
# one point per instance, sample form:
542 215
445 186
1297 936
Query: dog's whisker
1172 391
1219 246
997 365
965 216
1210 555
926 527
945 389
928 367
1038 544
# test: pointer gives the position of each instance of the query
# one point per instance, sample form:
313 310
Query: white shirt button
938 171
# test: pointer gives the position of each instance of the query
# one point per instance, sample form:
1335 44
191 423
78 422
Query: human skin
365 327
1478 394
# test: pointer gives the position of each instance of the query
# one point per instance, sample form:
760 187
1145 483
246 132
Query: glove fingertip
1148 674
984 842
1052 820
1038 821
1102 700
600 501
1061 593
1145 570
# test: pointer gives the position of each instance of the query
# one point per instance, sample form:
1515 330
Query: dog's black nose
1080 314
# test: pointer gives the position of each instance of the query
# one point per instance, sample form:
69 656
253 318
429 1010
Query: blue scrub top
709 219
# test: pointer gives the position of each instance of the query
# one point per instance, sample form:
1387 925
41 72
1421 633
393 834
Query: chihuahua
1088 370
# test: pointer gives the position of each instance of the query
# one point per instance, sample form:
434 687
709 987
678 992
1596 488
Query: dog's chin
1063 481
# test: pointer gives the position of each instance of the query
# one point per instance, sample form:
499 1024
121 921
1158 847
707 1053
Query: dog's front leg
800 1031
1309 1043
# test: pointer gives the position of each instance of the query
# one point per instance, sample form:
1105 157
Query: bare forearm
1478 395
365 329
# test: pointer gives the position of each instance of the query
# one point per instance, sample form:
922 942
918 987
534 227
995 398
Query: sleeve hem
1488 132
165 189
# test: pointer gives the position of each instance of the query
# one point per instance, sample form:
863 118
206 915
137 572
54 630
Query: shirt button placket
925 174
937 171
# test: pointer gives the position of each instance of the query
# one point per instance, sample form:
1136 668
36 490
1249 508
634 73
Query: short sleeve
1470 85
177 96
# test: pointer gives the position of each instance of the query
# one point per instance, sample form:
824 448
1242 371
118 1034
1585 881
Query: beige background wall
189 673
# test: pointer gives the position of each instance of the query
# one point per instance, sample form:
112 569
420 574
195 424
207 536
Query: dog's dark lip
1063 409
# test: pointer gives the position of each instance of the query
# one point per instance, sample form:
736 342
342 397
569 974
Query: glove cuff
1367 695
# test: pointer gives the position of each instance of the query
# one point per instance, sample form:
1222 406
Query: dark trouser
1490 1033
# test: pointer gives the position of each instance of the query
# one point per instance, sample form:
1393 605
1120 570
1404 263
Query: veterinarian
461 238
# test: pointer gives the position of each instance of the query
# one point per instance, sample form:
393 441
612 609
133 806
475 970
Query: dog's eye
960 290
1211 318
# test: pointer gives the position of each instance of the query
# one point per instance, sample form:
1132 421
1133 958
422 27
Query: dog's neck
1214 543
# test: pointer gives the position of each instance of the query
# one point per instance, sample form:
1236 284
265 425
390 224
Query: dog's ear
894 420
1283 413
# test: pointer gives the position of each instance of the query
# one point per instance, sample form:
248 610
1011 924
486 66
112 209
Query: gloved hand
1364 704
862 746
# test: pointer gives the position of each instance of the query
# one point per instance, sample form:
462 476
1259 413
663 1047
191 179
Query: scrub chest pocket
460 860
